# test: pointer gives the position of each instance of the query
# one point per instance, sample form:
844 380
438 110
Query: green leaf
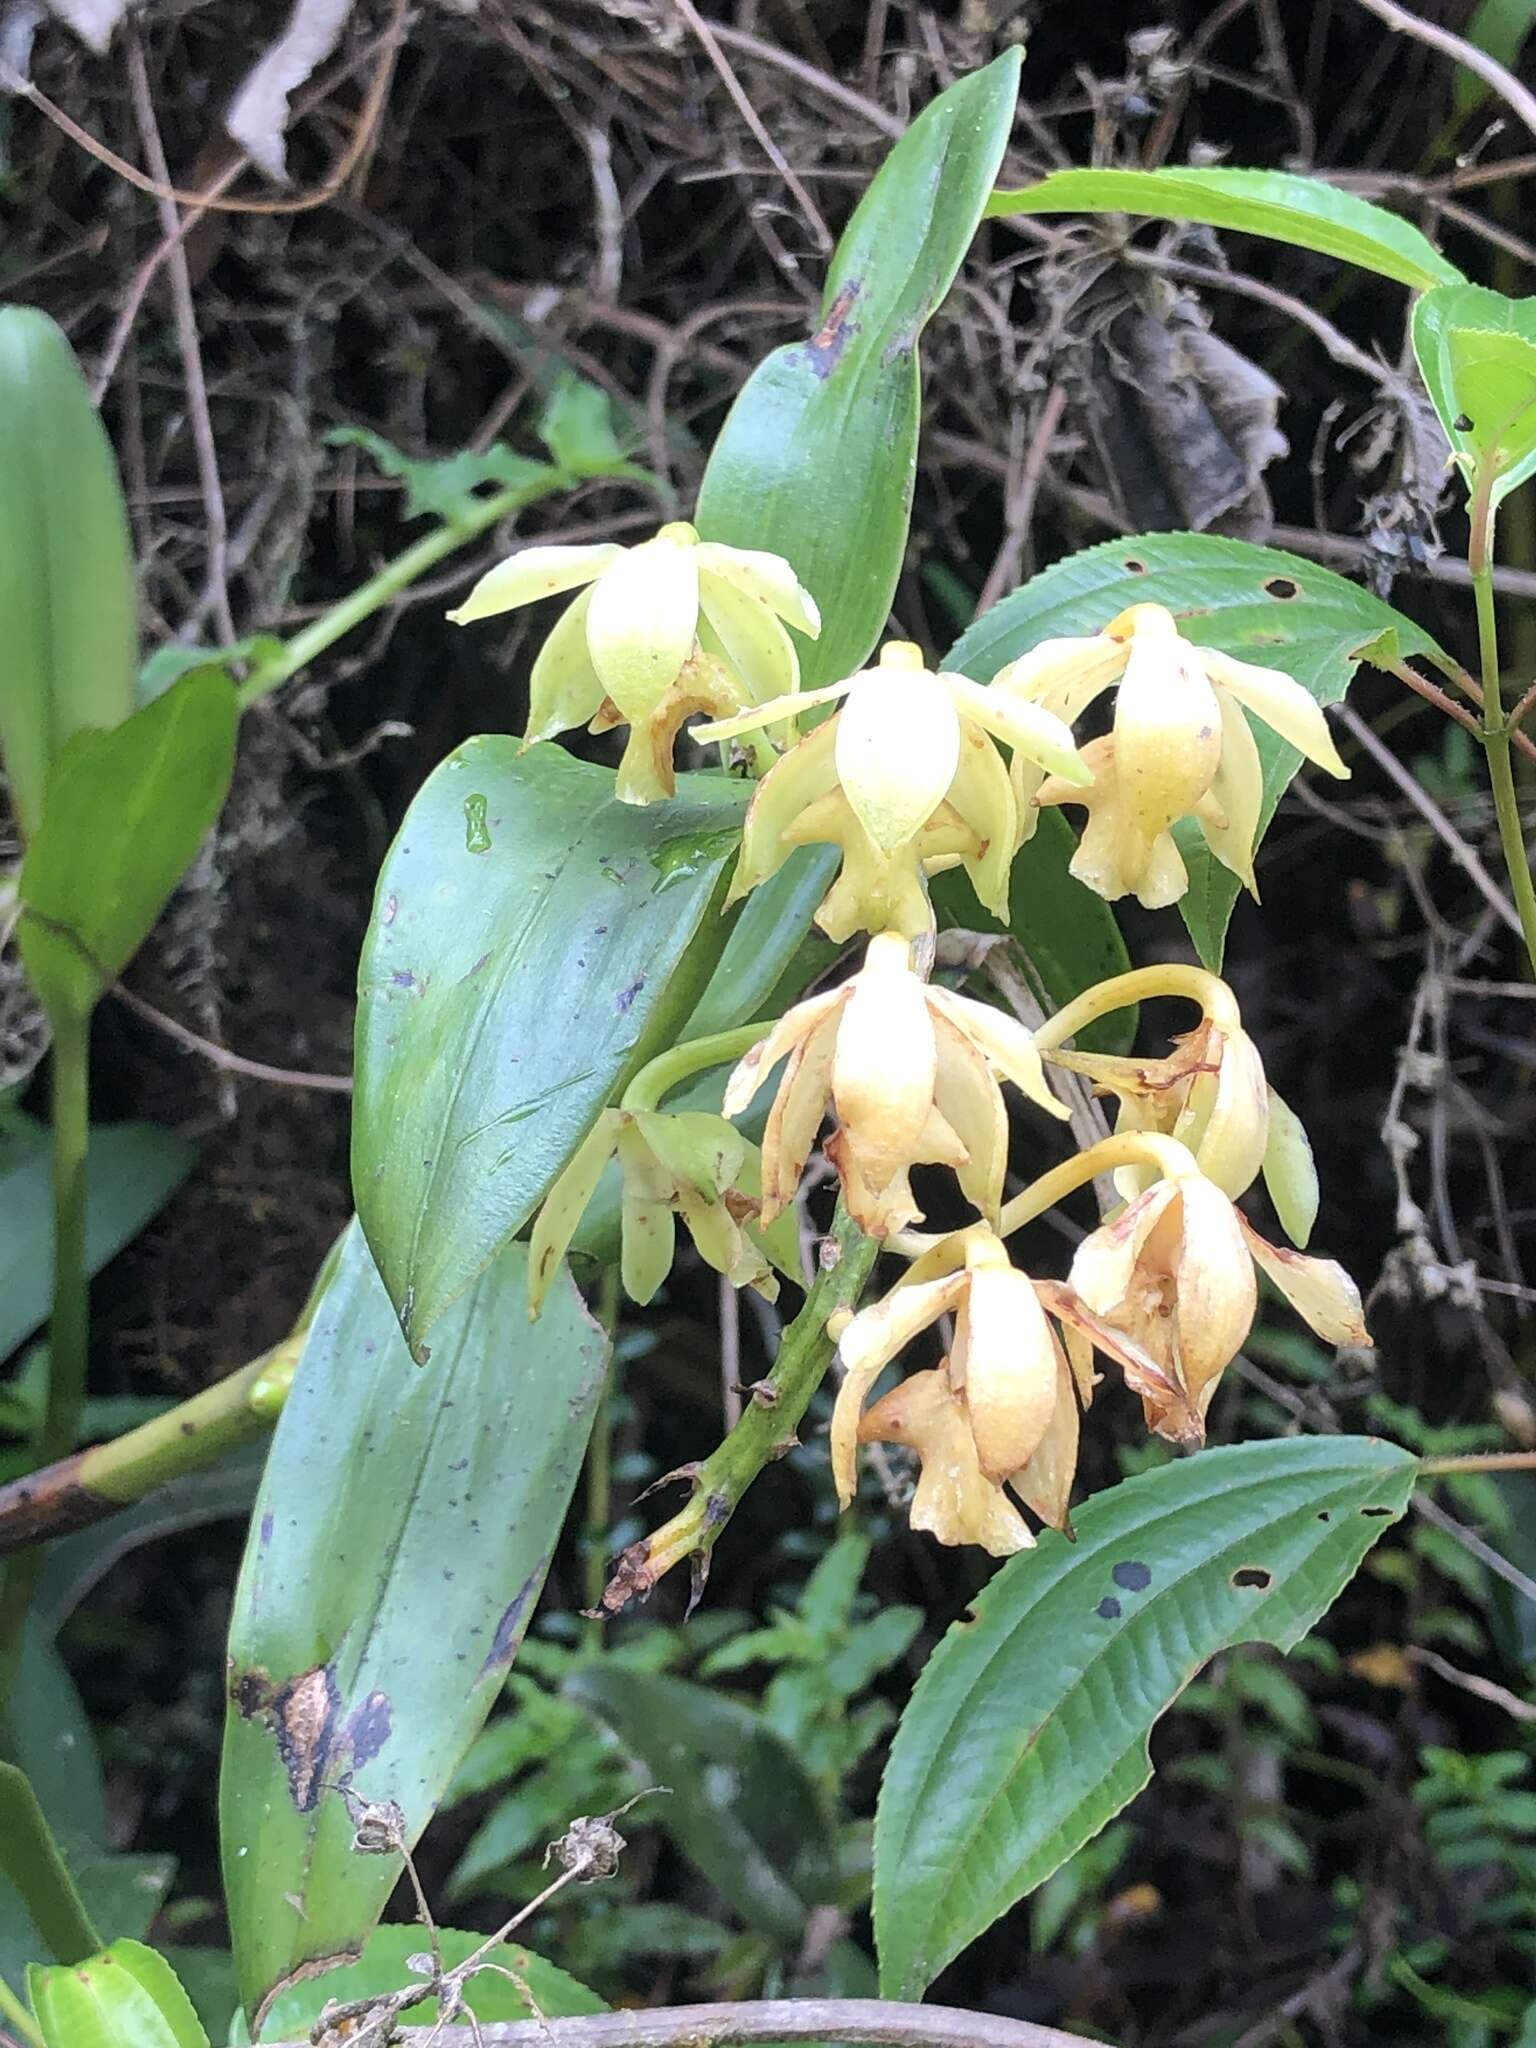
1068 934
1500 27
132 1170
1007 1760
126 1997
576 426
50 1739
1279 205
504 992
33 1865
397 1548
1259 604
1476 351
739 1804
68 626
818 456
443 487
121 1896
127 811
492 1996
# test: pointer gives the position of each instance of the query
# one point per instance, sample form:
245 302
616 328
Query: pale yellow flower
660 631
910 1073
1180 747
1174 1273
906 779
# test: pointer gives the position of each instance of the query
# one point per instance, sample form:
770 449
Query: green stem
358 605
1478 1461
16 2016
69 1326
668 1069
767 1428
1496 732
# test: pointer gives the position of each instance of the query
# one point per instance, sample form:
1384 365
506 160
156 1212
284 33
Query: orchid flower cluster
912 773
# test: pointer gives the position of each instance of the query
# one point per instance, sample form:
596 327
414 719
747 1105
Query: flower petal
794 1026
1225 1119
692 1145
866 1348
1167 733
794 782
642 621
898 746
972 1104
1215 1294
533 573
1290 1171
770 712
1005 1361
1230 810
1002 1041
1065 675
564 689
1319 1290
1104 1264
795 1118
954 1501
1028 728
981 795
751 640
1282 703
767 579
1045 1483
885 1066
565 1205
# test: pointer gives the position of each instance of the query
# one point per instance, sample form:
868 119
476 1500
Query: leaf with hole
126 812
818 456
397 1548
1007 1760
125 1997
1257 603
533 941
68 621
1283 207
1476 352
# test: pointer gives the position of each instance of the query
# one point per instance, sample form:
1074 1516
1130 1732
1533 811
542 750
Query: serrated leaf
68 622
532 939
576 426
740 1805
125 814
445 487
131 1172
492 1996
125 1997
818 456
1007 1760
1476 352
1260 604
1279 205
397 1548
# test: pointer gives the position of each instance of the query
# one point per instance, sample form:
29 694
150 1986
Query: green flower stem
17 2018
1496 727
669 1069
766 1430
74 1491
1140 985
69 1325
396 576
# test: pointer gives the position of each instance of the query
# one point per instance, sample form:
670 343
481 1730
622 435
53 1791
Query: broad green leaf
493 1996
1305 212
739 1804
68 629
1476 351
1500 27
1068 935
50 1739
818 456
132 1170
532 941
397 1548
120 1896
761 952
1028 1729
126 812
1259 604
33 1865
126 1997
446 487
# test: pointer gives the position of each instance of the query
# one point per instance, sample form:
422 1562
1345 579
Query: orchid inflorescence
907 777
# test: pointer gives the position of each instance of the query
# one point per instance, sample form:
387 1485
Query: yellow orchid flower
660 631
1001 1410
1210 1092
1180 747
906 779
685 1163
909 1070
1174 1273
